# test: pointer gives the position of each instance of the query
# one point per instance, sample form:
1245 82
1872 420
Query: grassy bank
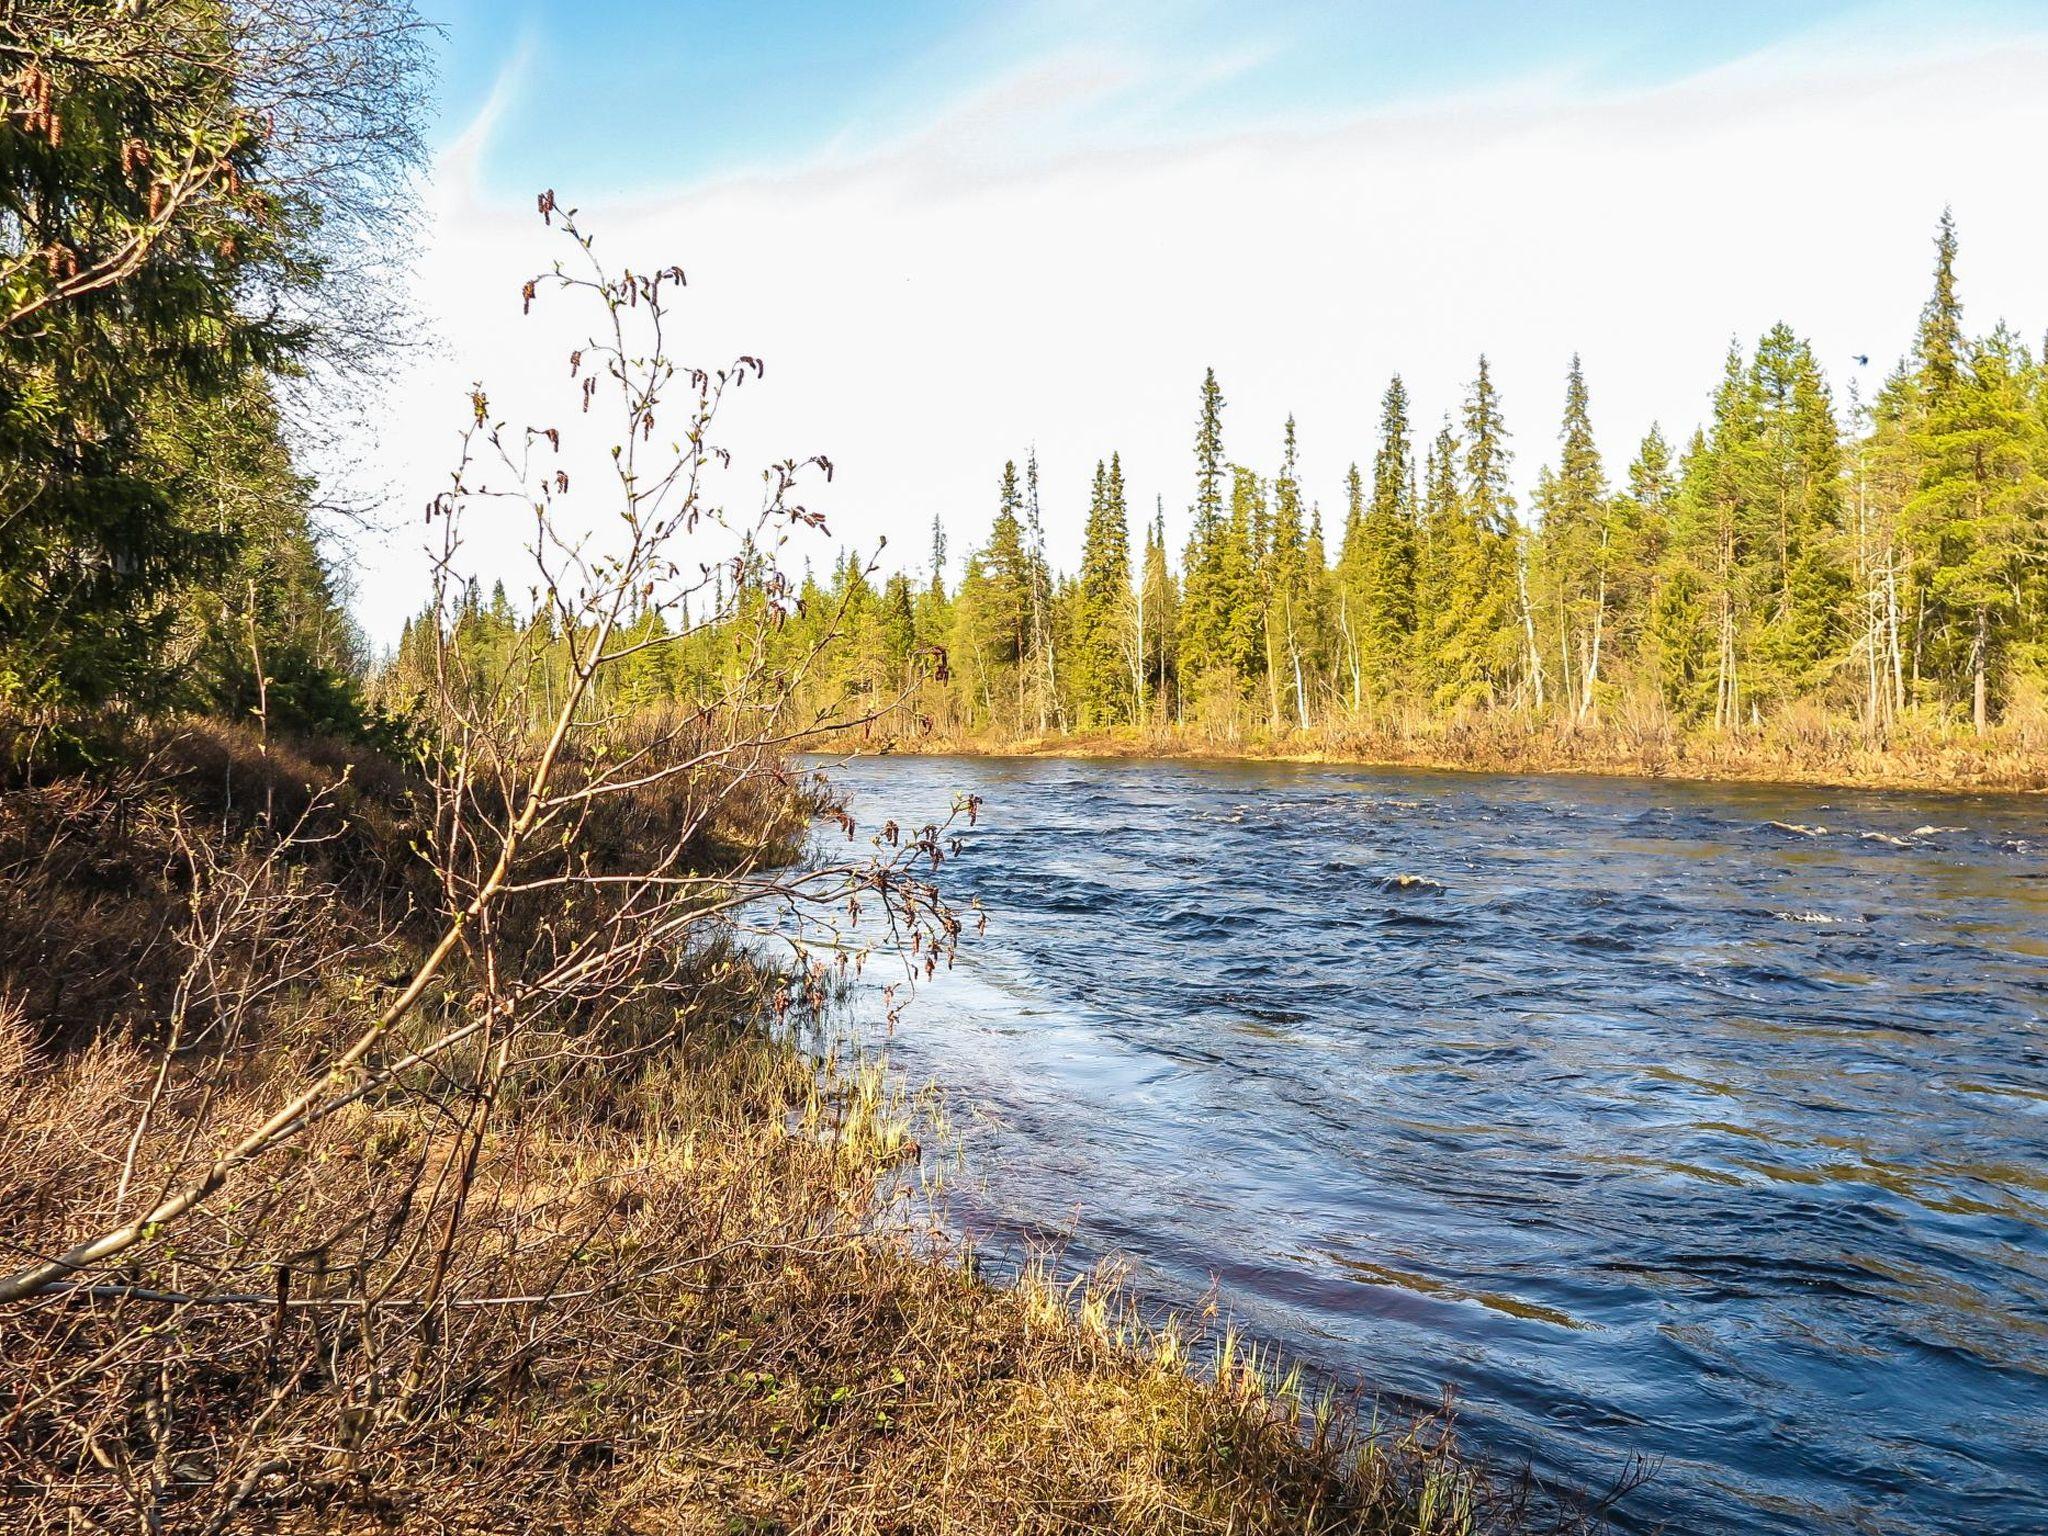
1797 748
684 1278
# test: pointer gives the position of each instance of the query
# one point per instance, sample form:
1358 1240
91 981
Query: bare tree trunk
1351 654
1599 634
1898 660
1137 657
1593 661
1529 629
1272 675
1980 647
1294 651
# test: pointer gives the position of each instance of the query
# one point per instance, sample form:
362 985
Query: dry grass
690 1282
1796 745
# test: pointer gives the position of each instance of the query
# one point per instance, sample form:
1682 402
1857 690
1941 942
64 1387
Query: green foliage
1774 563
1103 607
164 236
1377 564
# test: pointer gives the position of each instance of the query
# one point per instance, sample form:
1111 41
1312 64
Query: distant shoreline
1954 767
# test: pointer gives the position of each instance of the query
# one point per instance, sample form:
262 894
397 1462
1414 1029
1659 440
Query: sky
956 232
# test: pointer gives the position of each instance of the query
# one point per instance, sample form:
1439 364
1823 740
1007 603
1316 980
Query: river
1703 1123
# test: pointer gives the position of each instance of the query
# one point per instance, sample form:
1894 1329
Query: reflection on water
1709 1123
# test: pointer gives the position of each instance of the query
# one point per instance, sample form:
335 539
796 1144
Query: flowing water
1705 1123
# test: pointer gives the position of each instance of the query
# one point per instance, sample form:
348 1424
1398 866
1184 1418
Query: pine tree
1158 602
1981 507
1573 553
1939 348
1207 583
1481 642
1286 584
1384 568
1102 606
1441 534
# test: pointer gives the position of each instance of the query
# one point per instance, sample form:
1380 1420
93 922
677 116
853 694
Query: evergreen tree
1481 642
1043 661
1102 606
938 586
1385 567
1208 583
1980 508
1441 533
1158 603
1640 519
999 613
1285 589
1802 629
1939 347
1573 561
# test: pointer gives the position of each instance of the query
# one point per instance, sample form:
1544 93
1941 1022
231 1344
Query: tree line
1883 560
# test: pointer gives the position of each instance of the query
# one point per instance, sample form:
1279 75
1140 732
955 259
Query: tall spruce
1481 643
1572 566
1384 569
1103 606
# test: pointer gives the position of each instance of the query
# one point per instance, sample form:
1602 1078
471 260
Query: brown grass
1797 745
695 1284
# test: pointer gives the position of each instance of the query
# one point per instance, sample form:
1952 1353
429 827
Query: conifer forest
1882 563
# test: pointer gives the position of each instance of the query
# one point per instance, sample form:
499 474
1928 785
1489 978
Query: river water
1707 1124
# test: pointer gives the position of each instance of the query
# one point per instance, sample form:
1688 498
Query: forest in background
1871 569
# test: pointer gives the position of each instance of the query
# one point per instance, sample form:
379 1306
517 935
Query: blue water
1649 1127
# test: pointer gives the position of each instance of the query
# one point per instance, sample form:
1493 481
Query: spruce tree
1442 539
1803 627
1385 567
1482 644
1939 347
1572 553
1103 606
1641 521
1043 661
1207 586
1001 609
1287 588
1157 616
1983 510
1349 583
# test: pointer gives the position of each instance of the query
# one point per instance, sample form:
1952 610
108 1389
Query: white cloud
933 308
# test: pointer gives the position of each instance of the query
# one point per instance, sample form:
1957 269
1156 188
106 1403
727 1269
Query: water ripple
1709 1124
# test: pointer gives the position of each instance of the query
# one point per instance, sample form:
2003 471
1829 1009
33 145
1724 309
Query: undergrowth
696 1284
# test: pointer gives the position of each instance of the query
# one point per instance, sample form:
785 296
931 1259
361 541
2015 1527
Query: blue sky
958 232
621 96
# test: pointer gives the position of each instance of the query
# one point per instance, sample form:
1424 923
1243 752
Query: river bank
697 1284
1804 752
